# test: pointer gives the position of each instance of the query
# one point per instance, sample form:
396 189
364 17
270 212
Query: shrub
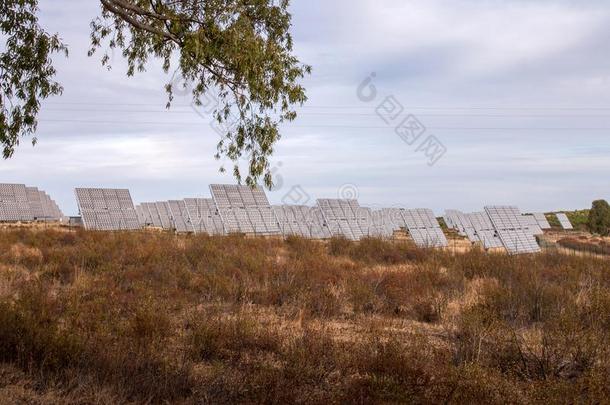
599 218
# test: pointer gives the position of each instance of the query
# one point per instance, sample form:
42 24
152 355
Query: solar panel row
241 209
498 227
26 204
347 218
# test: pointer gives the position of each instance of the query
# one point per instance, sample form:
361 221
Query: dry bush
91 317
594 246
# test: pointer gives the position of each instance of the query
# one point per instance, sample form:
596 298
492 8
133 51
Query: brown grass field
96 318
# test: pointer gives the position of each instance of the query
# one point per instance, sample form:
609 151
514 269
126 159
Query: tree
242 49
239 49
599 218
26 71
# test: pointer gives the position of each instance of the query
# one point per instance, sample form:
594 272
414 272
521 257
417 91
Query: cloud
452 63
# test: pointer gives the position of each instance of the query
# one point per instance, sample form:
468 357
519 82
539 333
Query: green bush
599 218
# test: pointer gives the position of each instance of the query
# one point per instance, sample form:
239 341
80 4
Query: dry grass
151 318
594 246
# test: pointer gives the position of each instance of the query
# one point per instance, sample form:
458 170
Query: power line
336 126
307 113
406 107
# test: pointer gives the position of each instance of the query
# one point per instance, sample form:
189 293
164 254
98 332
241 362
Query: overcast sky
516 91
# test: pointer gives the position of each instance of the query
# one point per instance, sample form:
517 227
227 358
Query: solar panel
542 221
484 230
180 216
529 222
345 218
245 209
164 214
50 208
14 204
33 195
204 216
393 219
42 207
424 228
141 215
301 220
519 241
460 222
151 215
516 238
379 225
564 221
107 209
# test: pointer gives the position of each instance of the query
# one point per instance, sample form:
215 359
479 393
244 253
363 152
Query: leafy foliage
26 71
579 219
599 218
241 49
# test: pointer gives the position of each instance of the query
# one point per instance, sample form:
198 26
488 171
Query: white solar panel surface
530 222
34 199
301 220
179 216
543 223
564 221
14 204
244 209
151 215
141 215
50 210
344 218
516 238
380 225
484 230
204 216
107 209
424 228
164 214
461 223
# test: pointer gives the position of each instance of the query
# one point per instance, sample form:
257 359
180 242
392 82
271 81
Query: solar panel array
564 221
244 209
424 228
107 209
26 204
516 238
543 223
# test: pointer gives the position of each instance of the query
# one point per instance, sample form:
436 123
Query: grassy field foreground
137 317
